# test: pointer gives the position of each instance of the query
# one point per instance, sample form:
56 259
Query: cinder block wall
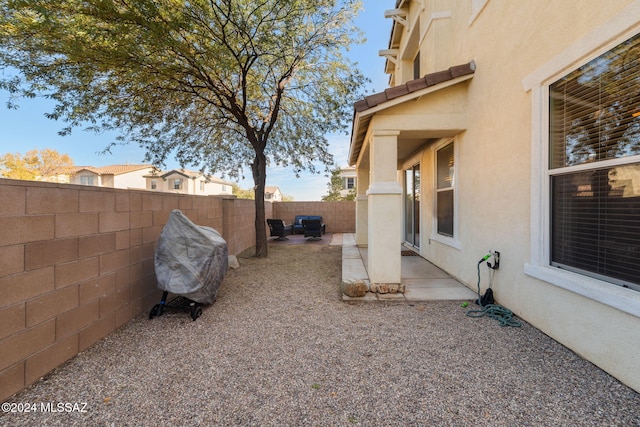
76 263
239 226
340 217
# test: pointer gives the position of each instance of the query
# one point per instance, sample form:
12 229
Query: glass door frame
412 206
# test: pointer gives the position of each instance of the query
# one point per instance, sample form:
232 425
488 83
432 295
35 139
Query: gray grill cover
191 260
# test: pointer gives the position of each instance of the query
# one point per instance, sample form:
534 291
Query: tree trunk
259 169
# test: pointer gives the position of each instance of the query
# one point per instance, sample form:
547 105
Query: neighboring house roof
272 193
110 169
73 170
184 172
219 180
271 190
364 109
347 169
188 174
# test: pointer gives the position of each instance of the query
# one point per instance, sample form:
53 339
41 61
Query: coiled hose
503 315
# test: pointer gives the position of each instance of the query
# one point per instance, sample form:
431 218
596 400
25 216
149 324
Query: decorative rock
354 289
388 288
233 262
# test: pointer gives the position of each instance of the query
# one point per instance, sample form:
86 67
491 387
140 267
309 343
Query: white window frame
602 39
349 182
454 241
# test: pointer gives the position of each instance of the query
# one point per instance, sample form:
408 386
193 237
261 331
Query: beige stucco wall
510 40
134 179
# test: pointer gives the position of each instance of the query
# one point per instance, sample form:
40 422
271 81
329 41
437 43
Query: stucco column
385 213
362 209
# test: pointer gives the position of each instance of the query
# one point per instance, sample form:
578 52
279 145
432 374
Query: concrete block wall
76 263
339 217
239 226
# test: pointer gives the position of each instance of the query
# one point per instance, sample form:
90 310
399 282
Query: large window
594 167
445 190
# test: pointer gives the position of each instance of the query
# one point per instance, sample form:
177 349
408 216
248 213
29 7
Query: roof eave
397 95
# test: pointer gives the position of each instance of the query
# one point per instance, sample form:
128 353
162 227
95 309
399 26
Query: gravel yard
280 348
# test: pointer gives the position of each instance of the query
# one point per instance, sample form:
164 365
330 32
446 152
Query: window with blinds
445 190
594 166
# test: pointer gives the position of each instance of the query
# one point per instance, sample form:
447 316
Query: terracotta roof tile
361 105
417 84
411 86
463 70
376 99
396 91
438 77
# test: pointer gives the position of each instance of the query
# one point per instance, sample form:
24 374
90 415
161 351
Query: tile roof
411 86
111 169
365 109
184 172
188 174
120 169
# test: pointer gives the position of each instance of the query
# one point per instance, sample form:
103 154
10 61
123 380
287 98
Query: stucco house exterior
513 126
115 176
349 178
273 194
148 177
185 181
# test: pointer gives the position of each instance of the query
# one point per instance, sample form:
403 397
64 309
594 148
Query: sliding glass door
412 206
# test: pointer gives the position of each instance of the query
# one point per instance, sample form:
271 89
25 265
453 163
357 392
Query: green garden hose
503 315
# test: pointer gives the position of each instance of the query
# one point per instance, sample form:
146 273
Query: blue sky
27 128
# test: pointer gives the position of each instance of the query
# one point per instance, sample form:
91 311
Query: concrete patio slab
423 281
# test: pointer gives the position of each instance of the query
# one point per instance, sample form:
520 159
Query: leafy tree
595 109
35 165
241 193
335 188
221 84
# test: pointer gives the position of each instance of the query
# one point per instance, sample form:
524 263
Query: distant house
147 177
184 181
272 194
115 176
513 126
348 175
